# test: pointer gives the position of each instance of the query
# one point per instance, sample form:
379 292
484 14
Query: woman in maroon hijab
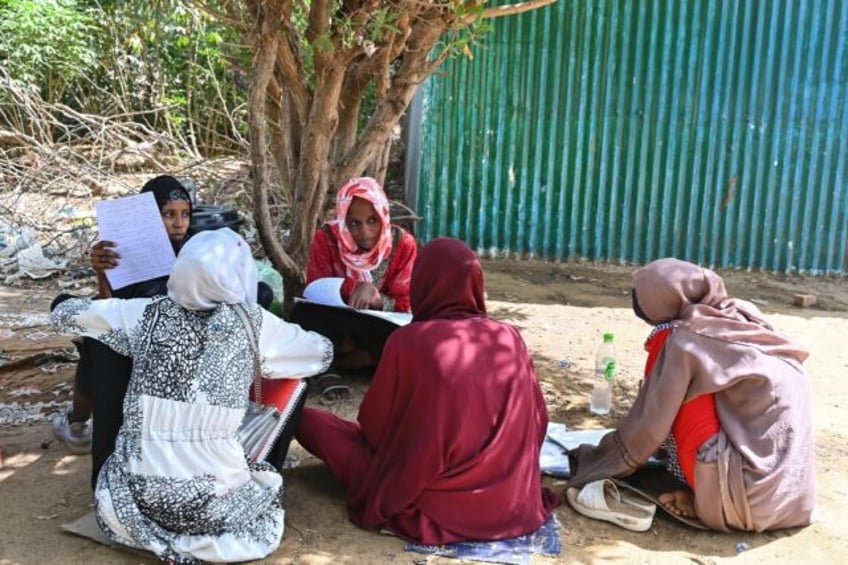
446 444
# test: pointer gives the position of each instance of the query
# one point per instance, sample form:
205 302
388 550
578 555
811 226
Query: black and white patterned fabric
673 461
178 483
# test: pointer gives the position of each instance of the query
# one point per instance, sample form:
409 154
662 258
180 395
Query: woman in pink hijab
361 245
726 395
375 260
446 444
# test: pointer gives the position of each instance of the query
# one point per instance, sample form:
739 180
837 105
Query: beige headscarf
757 473
695 298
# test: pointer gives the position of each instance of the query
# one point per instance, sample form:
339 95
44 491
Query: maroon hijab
447 282
454 418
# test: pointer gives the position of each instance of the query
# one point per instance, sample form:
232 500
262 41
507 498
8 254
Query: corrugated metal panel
627 130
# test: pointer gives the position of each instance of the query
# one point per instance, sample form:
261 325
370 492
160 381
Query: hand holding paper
135 225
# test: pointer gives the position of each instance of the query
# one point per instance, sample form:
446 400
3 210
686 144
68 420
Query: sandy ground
562 310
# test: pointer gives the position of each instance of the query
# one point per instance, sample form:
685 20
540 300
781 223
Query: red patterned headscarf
360 265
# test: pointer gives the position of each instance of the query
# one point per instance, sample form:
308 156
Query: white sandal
602 500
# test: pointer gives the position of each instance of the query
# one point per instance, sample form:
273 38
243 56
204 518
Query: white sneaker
75 435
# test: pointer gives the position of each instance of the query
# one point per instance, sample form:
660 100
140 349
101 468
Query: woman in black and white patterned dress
178 483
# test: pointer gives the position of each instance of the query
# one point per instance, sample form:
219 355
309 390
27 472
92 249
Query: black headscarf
166 188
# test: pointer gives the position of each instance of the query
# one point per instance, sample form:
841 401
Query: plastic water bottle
601 401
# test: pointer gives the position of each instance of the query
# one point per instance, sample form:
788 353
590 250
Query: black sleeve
144 289
264 295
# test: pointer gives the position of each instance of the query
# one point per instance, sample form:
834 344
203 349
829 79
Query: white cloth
178 483
213 267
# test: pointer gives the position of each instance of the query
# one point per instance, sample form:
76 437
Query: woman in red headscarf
375 259
446 444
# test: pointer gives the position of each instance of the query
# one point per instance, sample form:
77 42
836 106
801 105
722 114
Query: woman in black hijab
174 204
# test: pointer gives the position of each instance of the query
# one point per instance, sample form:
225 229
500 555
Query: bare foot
679 503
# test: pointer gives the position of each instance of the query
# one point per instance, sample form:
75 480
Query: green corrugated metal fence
715 131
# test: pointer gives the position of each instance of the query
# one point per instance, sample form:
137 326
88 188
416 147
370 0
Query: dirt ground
562 310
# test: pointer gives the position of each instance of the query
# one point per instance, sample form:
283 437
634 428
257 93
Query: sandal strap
331 376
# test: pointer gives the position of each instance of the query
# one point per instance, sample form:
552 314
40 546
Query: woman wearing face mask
375 258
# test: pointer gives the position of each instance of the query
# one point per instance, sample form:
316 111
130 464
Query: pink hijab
360 265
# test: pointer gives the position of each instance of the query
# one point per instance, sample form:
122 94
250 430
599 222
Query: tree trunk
311 108
312 176
378 168
293 286
268 24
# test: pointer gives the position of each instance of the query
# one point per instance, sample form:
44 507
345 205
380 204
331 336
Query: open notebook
328 292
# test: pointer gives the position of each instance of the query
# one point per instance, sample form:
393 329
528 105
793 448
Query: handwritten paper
135 225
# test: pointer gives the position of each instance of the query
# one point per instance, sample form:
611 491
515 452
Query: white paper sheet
135 225
397 318
325 291
328 291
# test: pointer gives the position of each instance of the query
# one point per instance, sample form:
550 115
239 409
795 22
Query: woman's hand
366 296
104 257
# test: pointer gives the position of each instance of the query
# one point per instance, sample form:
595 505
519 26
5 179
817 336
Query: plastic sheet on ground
33 263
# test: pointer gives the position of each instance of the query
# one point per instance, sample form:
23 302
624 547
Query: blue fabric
553 459
511 551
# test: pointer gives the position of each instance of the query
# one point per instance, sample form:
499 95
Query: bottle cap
608 337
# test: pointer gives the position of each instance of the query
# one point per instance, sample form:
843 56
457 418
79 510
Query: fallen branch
512 9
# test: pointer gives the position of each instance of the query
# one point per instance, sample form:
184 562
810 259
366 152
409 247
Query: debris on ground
36 370
804 300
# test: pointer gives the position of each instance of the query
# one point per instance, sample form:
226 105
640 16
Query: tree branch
226 17
359 74
290 65
415 68
319 18
511 9
312 179
278 131
350 103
